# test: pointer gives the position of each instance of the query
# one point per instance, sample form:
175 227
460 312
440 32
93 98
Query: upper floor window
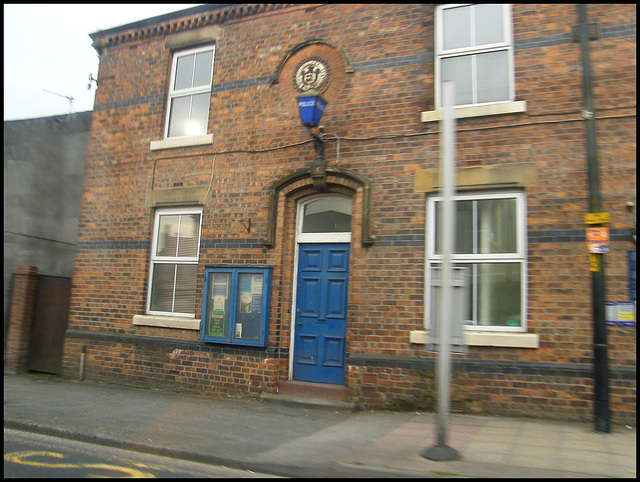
474 49
174 262
190 92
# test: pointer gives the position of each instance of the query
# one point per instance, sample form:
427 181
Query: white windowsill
181 142
477 111
167 322
486 338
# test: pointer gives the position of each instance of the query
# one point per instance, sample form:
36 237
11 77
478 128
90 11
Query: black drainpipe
600 368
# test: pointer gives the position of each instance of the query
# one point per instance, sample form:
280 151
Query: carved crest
310 74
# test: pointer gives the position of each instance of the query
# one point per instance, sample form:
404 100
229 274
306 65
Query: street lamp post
440 450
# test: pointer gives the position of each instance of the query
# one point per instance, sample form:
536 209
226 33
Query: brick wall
376 114
197 368
16 355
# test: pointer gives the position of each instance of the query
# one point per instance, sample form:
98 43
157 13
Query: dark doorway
49 324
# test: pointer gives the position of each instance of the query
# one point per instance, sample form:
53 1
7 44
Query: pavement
303 440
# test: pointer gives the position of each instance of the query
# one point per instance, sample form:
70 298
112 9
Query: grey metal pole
444 361
441 451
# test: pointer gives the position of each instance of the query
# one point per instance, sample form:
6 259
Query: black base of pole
602 417
440 453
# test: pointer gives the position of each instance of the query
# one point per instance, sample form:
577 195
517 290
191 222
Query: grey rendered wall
44 160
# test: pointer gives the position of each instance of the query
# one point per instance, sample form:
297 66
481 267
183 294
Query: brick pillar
20 320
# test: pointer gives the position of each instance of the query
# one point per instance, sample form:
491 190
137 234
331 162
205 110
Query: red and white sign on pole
598 240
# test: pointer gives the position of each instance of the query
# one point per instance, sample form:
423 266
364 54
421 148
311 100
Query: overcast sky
48 47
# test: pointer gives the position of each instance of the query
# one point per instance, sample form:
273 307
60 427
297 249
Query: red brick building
216 255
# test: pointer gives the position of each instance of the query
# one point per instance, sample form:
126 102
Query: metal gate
49 324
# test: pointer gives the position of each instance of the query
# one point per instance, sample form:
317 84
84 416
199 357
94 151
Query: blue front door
321 313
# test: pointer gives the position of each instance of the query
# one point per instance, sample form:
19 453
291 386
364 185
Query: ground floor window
174 262
490 245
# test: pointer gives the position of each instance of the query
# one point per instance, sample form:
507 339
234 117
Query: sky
48 48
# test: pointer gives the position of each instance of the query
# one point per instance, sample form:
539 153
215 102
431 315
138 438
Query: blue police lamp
311 106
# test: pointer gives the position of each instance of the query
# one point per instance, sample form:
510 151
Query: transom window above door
325 217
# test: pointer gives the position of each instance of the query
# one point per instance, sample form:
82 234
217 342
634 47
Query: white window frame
174 94
184 260
336 237
506 45
520 256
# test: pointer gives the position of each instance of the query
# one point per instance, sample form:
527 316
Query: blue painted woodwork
321 313
235 305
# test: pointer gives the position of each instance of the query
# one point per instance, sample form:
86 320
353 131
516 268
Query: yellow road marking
21 458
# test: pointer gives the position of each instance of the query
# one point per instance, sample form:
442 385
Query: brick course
391 49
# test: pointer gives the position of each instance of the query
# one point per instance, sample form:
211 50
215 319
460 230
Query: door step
311 395
313 390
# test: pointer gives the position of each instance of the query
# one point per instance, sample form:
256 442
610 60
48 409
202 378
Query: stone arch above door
334 176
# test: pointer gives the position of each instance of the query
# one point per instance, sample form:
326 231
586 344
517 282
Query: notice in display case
632 275
217 320
216 325
249 306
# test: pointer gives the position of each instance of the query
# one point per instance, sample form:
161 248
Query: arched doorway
323 237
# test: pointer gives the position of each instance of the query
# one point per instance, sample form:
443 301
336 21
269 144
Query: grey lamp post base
440 453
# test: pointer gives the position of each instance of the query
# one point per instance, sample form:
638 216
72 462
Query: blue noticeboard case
235 305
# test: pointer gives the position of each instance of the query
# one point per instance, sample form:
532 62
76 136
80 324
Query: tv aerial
91 79
68 97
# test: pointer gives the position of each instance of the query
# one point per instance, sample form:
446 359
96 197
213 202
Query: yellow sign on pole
594 262
597 218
